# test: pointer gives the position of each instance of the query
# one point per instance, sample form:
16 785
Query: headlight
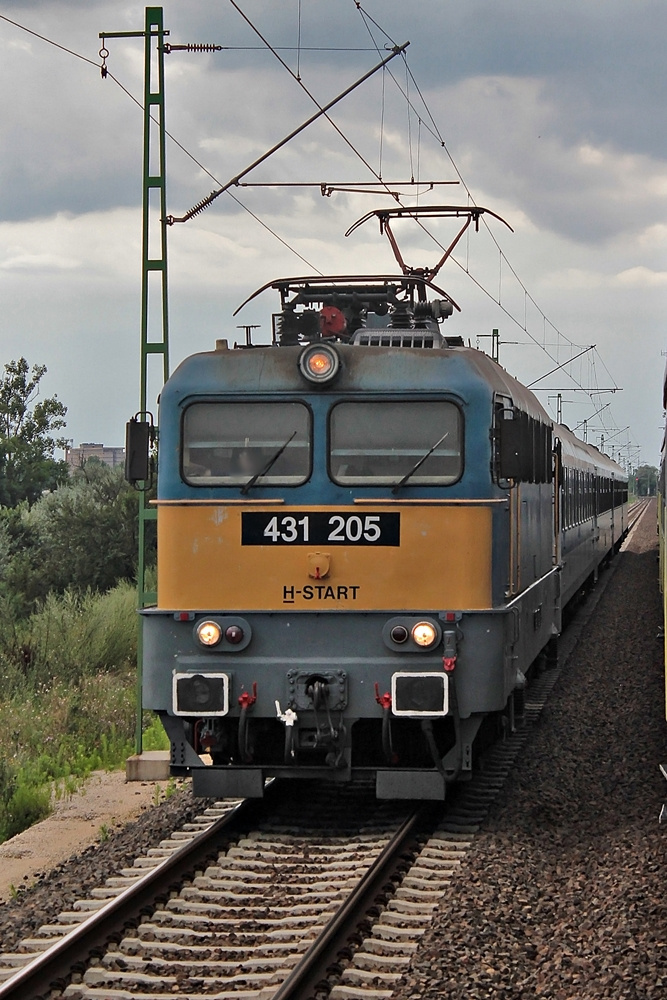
319 364
424 634
209 633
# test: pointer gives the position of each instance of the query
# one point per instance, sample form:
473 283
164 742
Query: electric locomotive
367 532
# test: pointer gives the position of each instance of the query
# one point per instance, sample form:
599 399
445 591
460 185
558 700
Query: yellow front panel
443 561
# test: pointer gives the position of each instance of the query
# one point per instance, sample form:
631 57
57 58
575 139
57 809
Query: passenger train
367 535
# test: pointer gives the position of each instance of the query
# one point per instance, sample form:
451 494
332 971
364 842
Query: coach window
523 445
226 444
382 443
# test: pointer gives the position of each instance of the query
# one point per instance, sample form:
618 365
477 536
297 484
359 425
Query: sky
550 115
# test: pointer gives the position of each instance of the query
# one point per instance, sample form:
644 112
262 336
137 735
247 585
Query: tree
646 479
81 536
84 534
27 445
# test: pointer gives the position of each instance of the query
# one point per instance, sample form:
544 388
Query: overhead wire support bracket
327 188
158 33
558 367
164 48
590 391
234 182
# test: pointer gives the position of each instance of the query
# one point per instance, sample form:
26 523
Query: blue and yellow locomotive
367 533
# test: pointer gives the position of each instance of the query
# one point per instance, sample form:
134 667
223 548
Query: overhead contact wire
49 41
345 139
435 132
91 62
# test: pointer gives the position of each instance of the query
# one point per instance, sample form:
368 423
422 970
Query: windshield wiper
418 464
271 462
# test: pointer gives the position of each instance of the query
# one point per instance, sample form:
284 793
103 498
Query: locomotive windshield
390 443
230 444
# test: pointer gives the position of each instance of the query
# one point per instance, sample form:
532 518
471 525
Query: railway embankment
562 894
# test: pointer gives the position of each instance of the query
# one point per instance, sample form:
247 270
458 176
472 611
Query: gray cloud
551 111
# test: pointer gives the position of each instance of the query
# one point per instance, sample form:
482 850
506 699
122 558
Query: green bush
75 635
67 697
22 801
154 736
68 640
28 805
83 535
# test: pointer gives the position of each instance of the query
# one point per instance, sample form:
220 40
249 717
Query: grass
154 736
22 802
72 636
67 700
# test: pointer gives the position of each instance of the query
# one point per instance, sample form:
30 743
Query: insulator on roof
295 327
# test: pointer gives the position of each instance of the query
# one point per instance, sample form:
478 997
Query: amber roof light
319 363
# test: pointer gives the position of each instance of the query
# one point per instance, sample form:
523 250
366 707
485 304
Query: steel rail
312 968
53 968
636 511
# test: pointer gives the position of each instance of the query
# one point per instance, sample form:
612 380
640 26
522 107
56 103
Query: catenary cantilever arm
200 206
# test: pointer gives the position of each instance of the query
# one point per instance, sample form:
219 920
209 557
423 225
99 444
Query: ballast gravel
563 893
75 878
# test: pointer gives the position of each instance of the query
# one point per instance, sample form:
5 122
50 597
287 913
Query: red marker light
449 663
399 633
234 635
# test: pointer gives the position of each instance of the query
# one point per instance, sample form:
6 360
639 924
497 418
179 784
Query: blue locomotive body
366 538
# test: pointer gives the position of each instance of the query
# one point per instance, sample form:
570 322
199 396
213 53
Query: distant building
77 457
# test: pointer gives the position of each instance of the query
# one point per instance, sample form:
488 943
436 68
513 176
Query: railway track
636 510
272 898
256 903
